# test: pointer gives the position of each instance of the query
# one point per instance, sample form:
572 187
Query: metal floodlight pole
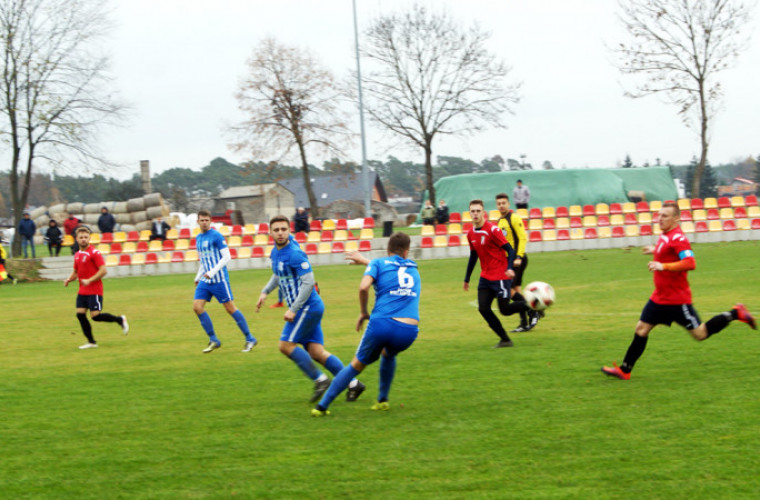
365 168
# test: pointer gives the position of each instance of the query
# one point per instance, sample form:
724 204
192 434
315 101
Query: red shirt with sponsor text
672 287
487 242
86 264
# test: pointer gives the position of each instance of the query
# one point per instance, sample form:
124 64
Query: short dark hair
279 218
82 229
477 202
399 243
674 206
502 196
204 213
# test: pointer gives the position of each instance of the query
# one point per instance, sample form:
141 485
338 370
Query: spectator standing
442 212
428 214
26 229
158 229
301 220
106 221
54 237
521 195
69 227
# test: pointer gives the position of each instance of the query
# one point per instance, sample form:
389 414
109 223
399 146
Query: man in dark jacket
54 238
442 212
301 220
158 229
26 229
106 222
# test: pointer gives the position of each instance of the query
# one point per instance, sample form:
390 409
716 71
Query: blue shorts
659 314
90 302
221 290
306 327
500 288
385 333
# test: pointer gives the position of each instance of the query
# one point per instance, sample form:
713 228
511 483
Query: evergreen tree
627 163
709 185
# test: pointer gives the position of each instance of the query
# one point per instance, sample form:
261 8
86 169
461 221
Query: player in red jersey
671 300
90 268
488 244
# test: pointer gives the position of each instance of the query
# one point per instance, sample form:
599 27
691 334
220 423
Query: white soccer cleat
88 346
124 325
249 345
211 346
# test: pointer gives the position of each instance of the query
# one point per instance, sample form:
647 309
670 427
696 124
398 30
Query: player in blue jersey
213 280
393 325
293 274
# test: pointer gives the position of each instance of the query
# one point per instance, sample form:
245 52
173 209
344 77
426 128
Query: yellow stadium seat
455 228
196 231
549 235
602 209
711 203
112 260
616 220
138 258
261 240
68 240
753 212
522 213
576 233
367 234
743 224
494 215
699 214
104 248
155 246
234 241
656 229
440 242
119 237
224 230
340 235
249 229
655 206
726 213
244 252
172 234
535 225
576 210
191 256
164 257
605 232
629 207
145 235
427 230
352 246
313 237
328 225
324 247
684 203
129 247
632 230
737 201
466 217
562 223
714 225
686 227
182 245
589 221
94 238
645 218
548 213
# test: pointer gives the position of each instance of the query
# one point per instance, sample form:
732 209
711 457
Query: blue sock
208 326
333 364
387 370
338 385
304 362
243 325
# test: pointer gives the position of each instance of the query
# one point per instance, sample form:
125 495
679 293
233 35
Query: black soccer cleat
320 387
353 393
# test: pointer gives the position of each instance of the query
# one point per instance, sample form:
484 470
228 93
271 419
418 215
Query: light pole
365 169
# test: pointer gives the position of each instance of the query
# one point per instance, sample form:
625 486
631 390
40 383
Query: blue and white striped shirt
209 246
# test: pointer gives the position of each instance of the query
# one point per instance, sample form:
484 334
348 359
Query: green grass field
149 416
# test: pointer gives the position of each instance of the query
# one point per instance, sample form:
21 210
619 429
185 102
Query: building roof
245 191
329 188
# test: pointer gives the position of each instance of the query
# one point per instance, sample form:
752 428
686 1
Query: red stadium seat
563 234
233 253
618 232
750 200
455 240
247 240
301 237
341 225
646 230
549 224
292 226
697 204
311 248
326 236
576 222
236 230
701 227
685 215
262 228
535 236
466 227
642 206
441 229
369 223
257 252
151 258
755 223
562 212
125 259
589 210
338 247
142 246
603 220
729 225
133 236
185 233
115 247
427 242
315 225
616 208
455 217
168 246
106 238
192 244
740 213
630 219
724 202
365 246
179 256
535 213
590 233
713 214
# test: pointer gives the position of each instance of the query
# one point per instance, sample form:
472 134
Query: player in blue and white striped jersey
213 280
293 274
393 325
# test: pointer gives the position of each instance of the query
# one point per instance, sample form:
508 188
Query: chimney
145 176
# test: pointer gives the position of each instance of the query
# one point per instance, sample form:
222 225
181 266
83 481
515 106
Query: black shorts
500 288
517 280
659 314
91 302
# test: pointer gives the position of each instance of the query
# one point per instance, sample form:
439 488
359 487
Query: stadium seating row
160 257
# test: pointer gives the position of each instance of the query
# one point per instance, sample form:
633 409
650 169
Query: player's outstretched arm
357 258
364 286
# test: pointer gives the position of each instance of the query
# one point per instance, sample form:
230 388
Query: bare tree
429 76
292 103
677 48
54 91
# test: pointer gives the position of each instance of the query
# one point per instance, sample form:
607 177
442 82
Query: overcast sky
178 63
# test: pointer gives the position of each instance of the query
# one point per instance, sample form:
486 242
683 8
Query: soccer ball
539 295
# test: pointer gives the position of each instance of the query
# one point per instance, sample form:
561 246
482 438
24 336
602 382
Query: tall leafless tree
430 76
677 48
291 103
54 91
